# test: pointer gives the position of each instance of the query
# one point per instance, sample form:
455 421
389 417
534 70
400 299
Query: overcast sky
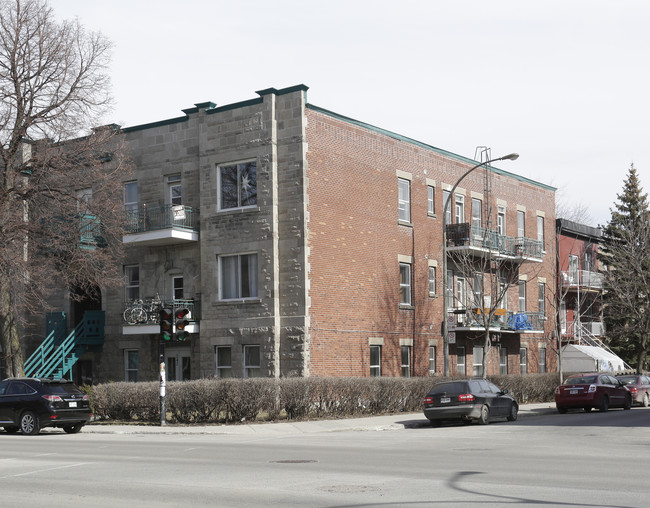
565 83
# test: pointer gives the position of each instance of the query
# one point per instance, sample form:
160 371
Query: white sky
565 83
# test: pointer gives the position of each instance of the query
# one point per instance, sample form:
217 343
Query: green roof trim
152 125
236 105
399 137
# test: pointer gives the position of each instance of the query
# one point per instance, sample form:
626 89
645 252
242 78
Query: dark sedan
29 404
639 387
469 400
588 391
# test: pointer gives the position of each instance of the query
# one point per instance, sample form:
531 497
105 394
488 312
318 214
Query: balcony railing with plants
503 320
466 235
151 218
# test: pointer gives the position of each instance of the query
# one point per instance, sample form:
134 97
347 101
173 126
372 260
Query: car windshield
456 387
628 380
580 380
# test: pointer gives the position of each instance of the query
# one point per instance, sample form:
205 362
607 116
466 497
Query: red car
587 391
639 387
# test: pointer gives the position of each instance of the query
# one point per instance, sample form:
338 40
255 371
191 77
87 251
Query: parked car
639 387
29 404
588 391
469 400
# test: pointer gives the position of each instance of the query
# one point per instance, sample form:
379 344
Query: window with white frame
431 193
477 290
406 361
503 360
404 284
175 190
450 289
448 205
404 199
238 185
432 281
523 360
541 298
460 360
477 354
238 275
459 215
131 283
461 294
501 220
521 223
540 230
131 364
542 360
223 360
522 296
375 361
252 361
432 359
477 213
131 196
177 287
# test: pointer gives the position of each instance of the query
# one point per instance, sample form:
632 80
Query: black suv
29 404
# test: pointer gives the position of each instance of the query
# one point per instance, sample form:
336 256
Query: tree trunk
9 338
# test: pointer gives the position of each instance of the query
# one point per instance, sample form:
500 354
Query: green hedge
235 400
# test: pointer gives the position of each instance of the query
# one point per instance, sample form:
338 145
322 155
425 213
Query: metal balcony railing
582 278
147 311
502 320
465 235
152 218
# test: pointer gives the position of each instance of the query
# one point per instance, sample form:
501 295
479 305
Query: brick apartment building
305 243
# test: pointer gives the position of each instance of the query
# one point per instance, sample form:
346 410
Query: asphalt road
575 460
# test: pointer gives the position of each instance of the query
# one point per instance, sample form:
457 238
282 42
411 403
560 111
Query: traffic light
181 323
166 324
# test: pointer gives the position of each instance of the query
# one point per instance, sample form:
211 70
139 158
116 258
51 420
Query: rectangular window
238 276
460 360
541 298
238 185
521 224
523 360
251 361
131 364
501 220
432 281
446 202
461 295
406 361
431 193
177 287
131 196
503 361
477 219
540 230
175 189
432 359
477 353
131 283
404 199
224 361
522 296
477 290
375 361
459 215
450 289
404 284
542 360
573 269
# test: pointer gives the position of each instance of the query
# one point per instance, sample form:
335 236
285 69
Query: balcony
582 279
464 238
161 225
143 316
473 319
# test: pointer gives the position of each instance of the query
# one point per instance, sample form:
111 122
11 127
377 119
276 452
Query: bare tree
60 213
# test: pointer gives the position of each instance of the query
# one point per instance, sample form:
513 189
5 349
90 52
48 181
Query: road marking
43 470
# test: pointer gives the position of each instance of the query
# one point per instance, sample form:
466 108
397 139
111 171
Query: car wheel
587 409
29 424
646 400
561 410
73 429
604 405
514 412
484 419
628 402
11 430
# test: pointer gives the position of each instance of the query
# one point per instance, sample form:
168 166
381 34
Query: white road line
43 470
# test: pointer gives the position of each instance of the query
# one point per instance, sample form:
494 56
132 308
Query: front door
178 366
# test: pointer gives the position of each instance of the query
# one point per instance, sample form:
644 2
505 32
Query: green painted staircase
58 353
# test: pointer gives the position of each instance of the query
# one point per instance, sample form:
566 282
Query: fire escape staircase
57 354
586 338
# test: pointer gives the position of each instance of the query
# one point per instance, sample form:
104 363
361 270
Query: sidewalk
372 423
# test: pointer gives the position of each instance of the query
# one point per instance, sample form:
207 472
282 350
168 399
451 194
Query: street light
445 327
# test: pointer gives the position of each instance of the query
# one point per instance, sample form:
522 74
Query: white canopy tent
590 359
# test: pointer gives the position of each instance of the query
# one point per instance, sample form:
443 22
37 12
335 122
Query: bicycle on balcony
139 312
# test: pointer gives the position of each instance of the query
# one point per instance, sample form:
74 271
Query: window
404 284
573 269
450 289
477 206
431 192
131 282
406 361
238 185
251 361
446 202
238 276
461 296
460 209
522 296
521 223
177 287
131 364
503 360
542 360
131 196
477 353
588 263
175 189
541 298
432 359
523 360
540 230
375 361
501 220
224 361
460 360
179 364
477 291
404 199
432 281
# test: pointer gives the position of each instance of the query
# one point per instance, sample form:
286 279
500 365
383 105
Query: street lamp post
445 326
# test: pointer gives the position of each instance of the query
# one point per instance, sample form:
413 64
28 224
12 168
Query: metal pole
163 376
445 328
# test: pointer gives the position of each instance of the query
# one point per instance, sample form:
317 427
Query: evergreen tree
626 252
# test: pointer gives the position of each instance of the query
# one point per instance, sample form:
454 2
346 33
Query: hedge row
235 400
